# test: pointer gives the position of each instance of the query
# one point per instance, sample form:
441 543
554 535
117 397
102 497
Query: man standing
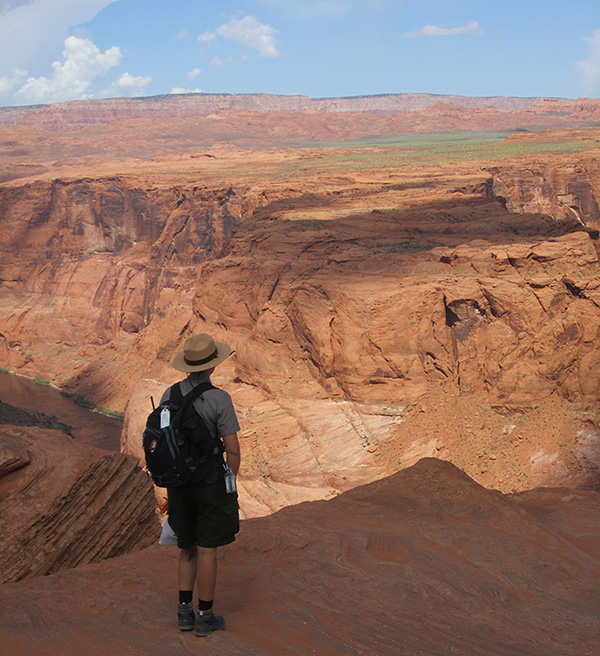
202 514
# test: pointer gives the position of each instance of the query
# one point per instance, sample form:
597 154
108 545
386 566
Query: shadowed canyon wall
91 263
561 191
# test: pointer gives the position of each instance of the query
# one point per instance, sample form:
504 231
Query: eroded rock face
93 263
64 504
337 341
563 191
485 314
345 338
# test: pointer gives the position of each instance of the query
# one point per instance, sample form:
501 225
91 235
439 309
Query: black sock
185 596
205 605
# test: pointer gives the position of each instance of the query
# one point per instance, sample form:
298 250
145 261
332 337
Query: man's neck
197 377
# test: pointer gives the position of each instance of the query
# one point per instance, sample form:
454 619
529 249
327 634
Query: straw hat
201 352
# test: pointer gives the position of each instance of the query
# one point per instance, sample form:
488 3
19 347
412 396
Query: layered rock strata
94 262
504 110
338 340
64 504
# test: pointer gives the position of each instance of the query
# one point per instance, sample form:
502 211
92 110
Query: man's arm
232 451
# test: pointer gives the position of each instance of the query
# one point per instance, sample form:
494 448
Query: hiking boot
206 623
185 616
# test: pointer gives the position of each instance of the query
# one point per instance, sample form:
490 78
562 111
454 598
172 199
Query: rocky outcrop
64 504
345 340
338 341
479 320
19 417
563 191
439 566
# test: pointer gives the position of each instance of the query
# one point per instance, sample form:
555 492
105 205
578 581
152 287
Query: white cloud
127 86
181 34
9 83
250 33
206 40
180 90
7 5
217 61
193 74
32 32
589 69
72 78
472 27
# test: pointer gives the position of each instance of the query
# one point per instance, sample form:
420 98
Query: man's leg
188 565
206 621
186 573
207 573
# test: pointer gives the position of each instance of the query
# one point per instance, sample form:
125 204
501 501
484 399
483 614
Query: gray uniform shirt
215 406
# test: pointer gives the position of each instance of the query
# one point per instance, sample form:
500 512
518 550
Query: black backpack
183 451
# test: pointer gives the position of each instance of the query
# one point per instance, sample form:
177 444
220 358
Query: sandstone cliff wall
341 327
563 191
89 264
444 112
78 113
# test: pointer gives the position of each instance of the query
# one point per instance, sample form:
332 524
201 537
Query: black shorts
202 514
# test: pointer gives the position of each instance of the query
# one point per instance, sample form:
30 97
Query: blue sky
56 50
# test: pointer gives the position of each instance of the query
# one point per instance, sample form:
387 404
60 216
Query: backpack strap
177 397
184 401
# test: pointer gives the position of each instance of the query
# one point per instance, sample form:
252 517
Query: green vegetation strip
432 139
437 147
110 413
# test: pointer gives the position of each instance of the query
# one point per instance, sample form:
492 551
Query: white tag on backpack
165 417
